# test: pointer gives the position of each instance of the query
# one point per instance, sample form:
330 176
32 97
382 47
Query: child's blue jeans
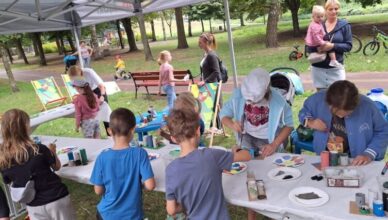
171 96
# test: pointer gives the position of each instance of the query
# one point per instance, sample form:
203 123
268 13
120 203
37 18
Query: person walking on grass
121 172
86 108
166 78
22 161
194 179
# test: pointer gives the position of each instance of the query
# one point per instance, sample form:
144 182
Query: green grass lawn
250 51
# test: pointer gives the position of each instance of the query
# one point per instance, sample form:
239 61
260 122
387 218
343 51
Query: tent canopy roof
20 16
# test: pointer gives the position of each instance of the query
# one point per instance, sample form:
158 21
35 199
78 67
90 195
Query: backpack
223 71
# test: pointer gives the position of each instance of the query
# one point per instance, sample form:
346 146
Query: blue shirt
195 181
121 173
366 127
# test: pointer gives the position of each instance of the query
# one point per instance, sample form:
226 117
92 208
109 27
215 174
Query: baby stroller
69 60
287 82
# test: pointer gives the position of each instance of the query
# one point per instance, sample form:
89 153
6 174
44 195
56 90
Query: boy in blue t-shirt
119 172
194 180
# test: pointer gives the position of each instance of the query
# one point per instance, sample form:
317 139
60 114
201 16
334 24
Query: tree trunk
21 50
119 33
153 30
190 33
164 29
7 67
130 36
34 44
203 27
294 5
271 38
182 42
147 49
42 57
62 43
6 47
242 20
58 42
70 39
169 27
210 25
97 52
295 22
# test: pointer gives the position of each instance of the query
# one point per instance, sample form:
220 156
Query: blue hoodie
341 36
366 127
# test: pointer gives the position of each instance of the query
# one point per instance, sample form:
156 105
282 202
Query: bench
151 79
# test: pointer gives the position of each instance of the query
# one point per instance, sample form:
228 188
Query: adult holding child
22 163
341 113
338 38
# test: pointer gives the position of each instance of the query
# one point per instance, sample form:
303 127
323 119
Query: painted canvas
48 92
69 88
206 94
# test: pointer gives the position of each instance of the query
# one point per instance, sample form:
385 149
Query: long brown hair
90 98
17 145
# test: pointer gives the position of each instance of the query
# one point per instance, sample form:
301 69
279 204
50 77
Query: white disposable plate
295 173
308 202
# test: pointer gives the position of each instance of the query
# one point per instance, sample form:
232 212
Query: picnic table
276 206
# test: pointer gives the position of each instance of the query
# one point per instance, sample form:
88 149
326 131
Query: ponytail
90 97
210 39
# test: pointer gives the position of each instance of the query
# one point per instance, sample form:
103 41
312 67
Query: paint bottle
385 199
84 157
343 159
325 159
77 158
360 199
261 190
333 158
378 208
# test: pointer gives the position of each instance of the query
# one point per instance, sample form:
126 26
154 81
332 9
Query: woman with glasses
352 121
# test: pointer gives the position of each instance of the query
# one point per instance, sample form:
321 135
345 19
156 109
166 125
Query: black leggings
4 210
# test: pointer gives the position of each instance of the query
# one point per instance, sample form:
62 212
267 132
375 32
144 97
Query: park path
363 80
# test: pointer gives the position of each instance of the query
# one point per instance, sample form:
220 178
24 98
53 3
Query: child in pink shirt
86 108
166 78
315 34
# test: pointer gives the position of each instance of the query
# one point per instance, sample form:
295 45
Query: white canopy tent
23 16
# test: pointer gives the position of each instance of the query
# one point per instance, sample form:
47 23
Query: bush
138 36
50 47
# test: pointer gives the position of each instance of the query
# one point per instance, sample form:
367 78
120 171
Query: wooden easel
215 114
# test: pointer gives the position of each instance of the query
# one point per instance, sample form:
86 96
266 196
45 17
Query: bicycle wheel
371 48
357 44
293 56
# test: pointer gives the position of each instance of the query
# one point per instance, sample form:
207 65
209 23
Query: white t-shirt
92 78
256 119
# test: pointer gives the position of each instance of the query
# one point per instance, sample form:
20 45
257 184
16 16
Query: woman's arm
339 47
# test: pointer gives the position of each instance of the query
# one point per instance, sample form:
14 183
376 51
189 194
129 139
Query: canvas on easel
69 87
48 93
206 94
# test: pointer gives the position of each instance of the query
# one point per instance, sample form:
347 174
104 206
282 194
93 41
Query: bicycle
373 46
295 54
357 44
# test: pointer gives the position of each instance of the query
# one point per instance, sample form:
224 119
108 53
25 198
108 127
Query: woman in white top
86 53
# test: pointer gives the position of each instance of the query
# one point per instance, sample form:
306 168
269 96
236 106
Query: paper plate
289 161
219 148
284 173
153 156
324 197
237 167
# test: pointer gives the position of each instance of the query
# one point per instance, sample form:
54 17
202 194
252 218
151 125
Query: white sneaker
335 63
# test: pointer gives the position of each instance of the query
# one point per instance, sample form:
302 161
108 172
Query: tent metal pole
230 40
75 33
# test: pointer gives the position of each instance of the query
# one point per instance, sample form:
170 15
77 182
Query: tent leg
76 37
230 40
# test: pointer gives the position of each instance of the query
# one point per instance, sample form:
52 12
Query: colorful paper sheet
206 94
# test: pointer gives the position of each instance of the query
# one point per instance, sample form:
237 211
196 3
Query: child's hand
186 78
201 83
